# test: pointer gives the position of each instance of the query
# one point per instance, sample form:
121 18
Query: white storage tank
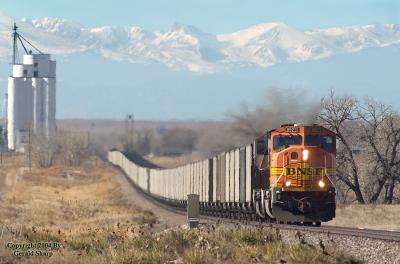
19 109
31 98
50 104
52 71
21 71
28 59
38 106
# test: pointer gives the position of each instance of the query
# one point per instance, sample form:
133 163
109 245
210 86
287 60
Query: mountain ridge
185 47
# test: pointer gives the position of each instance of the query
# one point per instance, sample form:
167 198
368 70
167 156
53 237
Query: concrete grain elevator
31 95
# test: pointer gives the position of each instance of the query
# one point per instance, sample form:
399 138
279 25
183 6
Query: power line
16 37
33 46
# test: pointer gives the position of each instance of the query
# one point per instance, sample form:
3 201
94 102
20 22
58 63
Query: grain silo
31 95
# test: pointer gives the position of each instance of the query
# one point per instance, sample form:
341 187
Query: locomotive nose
305 205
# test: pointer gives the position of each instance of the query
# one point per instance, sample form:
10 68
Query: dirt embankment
380 216
166 216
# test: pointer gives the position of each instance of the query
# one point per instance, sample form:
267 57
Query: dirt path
167 216
9 179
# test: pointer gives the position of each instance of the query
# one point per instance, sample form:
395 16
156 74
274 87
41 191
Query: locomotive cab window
282 142
325 142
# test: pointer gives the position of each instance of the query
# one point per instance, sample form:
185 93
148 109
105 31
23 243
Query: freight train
284 176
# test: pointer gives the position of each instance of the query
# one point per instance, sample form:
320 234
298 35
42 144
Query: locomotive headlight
288 183
305 154
321 184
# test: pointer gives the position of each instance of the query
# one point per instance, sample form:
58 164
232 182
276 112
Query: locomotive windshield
325 142
281 142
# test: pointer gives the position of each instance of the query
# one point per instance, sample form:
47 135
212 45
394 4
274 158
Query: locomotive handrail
283 171
280 176
326 173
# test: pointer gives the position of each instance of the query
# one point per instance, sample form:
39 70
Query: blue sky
156 92
215 16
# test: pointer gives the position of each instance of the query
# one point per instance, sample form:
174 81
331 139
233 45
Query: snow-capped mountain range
185 47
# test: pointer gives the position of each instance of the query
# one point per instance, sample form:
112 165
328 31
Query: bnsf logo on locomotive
304 171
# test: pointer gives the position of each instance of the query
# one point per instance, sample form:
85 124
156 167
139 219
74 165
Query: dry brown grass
382 216
11 170
57 197
87 214
66 205
127 243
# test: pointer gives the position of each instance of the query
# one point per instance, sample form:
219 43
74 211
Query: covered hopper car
286 176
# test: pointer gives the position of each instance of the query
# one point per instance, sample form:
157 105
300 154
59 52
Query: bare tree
143 141
178 141
73 146
337 113
44 149
215 140
380 129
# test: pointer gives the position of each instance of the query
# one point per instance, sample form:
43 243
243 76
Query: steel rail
325 229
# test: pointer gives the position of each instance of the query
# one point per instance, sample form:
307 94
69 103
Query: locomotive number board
292 129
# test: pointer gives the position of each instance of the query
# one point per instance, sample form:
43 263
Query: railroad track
326 229
361 232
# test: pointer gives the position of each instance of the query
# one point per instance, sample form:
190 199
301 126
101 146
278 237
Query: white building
31 99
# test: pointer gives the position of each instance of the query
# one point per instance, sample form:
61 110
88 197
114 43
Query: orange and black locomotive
294 171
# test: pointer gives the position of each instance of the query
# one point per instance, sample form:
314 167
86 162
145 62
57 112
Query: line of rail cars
286 176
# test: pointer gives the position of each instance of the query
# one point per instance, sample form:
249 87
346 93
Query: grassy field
67 206
128 243
83 217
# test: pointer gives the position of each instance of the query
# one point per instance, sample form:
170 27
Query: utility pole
88 139
129 129
15 47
